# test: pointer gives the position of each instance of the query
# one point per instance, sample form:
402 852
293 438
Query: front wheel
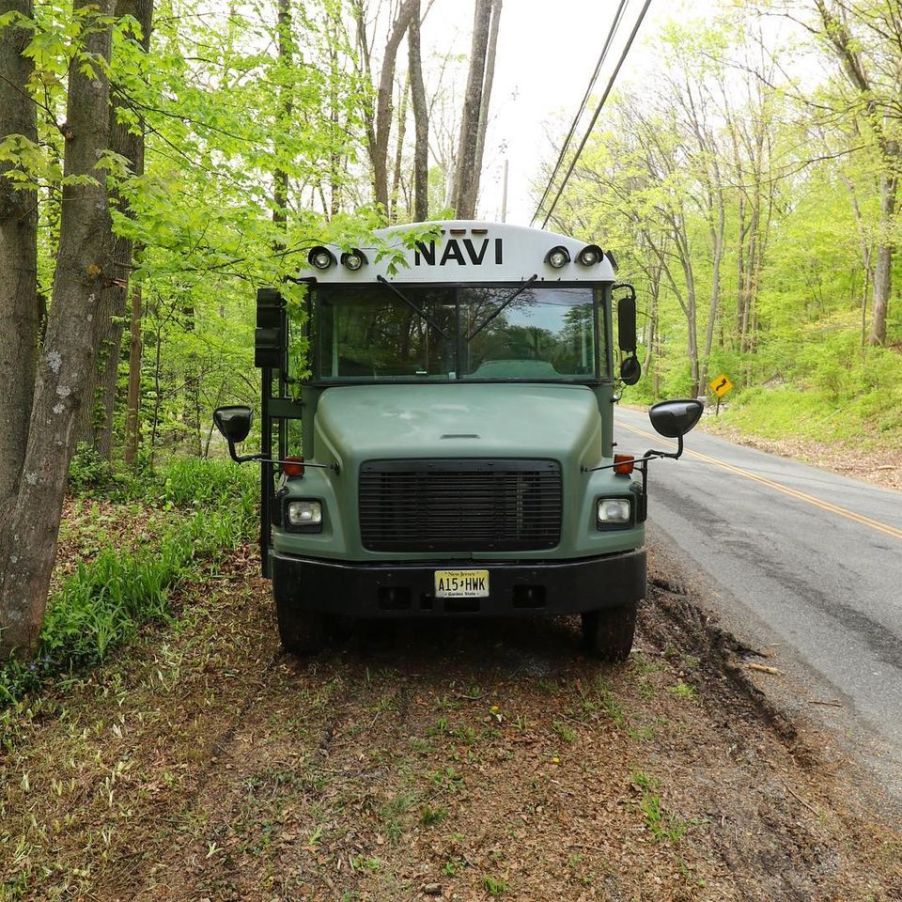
608 632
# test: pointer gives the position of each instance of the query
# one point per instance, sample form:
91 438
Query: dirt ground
452 760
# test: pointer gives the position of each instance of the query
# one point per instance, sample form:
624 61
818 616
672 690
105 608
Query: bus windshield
446 333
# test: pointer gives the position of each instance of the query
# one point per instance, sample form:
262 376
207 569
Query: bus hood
458 420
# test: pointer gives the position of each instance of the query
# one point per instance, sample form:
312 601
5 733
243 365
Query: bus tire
302 632
608 632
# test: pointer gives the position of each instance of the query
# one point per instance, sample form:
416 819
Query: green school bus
438 435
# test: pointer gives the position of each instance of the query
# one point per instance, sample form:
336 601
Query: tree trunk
335 157
378 134
691 310
133 408
20 307
717 239
466 181
486 103
96 417
285 45
399 153
883 270
420 118
29 541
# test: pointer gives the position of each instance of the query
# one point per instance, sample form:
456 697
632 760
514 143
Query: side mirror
626 325
234 422
630 370
270 337
673 419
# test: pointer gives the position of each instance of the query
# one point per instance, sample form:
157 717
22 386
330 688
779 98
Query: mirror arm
247 458
641 462
239 458
673 454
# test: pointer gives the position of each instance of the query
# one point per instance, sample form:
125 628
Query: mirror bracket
651 453
641 463
335 468
263 459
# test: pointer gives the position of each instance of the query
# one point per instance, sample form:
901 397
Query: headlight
320 257
590 255
304 514
558 256
354 259
613 512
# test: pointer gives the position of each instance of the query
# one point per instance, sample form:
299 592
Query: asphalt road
798 560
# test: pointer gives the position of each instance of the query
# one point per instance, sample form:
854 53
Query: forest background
159 162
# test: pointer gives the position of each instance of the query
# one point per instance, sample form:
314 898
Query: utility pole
504 193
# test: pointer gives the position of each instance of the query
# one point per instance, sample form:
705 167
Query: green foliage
212 102
194 482
105 601
89 471
713 138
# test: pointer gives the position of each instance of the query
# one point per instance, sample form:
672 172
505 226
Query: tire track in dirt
252 767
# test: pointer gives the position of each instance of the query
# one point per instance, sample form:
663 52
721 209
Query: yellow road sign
720 385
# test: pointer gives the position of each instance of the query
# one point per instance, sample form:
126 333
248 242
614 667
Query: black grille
465 505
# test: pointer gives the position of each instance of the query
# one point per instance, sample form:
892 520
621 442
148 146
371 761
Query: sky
547 52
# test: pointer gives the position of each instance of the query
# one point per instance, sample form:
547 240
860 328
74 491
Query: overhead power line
612 31
597 112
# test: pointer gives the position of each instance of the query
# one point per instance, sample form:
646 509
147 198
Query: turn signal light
293 466
623 464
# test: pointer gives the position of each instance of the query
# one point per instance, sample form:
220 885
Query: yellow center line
793 493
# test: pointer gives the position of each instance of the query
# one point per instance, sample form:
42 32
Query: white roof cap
465 251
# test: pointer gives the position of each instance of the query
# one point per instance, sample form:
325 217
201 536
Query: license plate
461 583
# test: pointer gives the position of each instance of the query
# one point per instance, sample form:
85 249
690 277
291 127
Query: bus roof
463 251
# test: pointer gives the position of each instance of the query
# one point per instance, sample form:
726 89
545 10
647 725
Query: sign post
720 385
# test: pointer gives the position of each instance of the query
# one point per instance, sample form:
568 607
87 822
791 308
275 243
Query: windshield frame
601 333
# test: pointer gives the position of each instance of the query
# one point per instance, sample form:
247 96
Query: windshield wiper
418 310
491 316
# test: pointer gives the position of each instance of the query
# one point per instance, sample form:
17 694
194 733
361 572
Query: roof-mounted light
354 259
320 257
557 257
590 255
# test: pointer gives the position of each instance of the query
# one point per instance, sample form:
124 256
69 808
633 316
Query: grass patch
683 691
432 817
392 814
865 415
494 886
105 601
663 825
610 704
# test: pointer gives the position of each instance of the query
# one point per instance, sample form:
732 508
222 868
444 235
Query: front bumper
408 589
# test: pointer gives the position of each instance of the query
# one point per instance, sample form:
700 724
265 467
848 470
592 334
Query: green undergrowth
210 508
873 420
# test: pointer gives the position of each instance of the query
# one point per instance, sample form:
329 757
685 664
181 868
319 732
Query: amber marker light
623 464
293 466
